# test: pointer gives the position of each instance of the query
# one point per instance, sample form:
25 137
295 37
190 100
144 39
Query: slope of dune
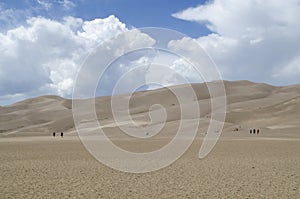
41 114
248 104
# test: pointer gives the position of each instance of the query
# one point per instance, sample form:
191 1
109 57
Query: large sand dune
248 105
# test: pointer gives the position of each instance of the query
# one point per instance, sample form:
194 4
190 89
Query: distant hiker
53 134
250 131
257 131
253 131
61 134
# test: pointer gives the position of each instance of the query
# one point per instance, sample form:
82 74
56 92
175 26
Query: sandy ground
241 167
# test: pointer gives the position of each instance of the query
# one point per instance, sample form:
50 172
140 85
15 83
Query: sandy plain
47 167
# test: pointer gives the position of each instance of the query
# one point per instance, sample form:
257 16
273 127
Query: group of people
61 134
254 131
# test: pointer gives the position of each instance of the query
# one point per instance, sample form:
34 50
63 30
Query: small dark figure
53 134
253 131
257 131
61 134
250 131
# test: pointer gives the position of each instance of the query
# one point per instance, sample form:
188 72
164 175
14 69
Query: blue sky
44 42
136 13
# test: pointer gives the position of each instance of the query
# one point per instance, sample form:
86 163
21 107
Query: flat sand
238 167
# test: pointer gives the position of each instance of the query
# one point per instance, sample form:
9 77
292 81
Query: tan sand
249 105
47 167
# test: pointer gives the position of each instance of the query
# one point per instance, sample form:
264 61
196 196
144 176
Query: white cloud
11 17
67 4
186 70
251 39
118 69
191 50
45 4
101 29
43 56
28 53
289 70
255 40
166 69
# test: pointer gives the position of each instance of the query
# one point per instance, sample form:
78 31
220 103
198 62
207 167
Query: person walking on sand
253 131
250 131
53 134
61 134
257 131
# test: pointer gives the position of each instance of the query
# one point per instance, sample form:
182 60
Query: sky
43 43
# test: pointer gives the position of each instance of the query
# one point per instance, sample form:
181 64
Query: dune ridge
249 105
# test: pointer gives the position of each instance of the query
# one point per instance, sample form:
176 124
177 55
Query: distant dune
248 105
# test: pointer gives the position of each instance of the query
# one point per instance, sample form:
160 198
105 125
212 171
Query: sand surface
249 105
47 167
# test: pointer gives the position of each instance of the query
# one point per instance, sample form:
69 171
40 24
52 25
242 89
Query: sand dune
248 105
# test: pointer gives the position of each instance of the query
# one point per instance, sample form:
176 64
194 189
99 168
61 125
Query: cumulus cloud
113 60
202 65
255 40
252 39
43 56
167 75
101 30
29 54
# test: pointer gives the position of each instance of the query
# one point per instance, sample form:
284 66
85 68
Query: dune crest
248 105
